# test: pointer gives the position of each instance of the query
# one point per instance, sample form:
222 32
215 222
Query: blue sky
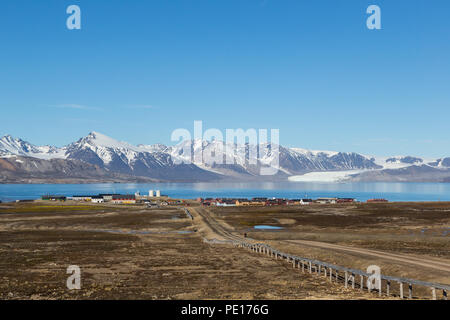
137 70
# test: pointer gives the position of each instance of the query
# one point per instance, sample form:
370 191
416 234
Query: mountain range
99 158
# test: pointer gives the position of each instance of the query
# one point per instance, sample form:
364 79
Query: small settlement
156 199
151 199
224 202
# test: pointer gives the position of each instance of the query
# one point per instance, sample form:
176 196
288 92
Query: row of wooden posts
332 271
188 214
348 275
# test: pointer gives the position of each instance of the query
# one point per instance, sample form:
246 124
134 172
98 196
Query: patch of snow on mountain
395 162
314 152
154 148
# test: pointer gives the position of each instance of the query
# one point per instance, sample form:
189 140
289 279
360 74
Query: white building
81 198
327 200
305 202
224 204
97 200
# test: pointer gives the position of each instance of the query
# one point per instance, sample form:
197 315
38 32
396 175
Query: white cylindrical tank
158 193
151 194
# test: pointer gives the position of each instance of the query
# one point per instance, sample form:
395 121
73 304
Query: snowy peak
200 159
314 152
158 147
399 162
96 139
440 163
101 149
10 146
407 160
16 146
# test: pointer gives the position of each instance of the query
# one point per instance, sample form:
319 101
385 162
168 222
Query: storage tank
158 193
151 194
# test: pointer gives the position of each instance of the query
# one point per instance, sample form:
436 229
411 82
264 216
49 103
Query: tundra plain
135 252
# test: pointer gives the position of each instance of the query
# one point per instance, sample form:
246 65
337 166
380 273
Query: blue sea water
291 190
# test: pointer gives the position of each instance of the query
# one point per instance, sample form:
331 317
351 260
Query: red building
345 200
377 201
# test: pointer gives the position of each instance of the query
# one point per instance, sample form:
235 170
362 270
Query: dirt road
141 254
215 227
438 264
210 226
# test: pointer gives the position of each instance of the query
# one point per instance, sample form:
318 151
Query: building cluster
260 201
225 202
153 198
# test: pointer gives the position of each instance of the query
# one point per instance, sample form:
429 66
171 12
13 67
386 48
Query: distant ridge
113 160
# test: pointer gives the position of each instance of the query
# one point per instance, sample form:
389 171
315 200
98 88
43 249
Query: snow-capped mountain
440 163
147 161
303 161
199 160
247 160
11 146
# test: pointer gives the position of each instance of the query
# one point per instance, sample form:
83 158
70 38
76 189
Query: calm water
264 227
360 191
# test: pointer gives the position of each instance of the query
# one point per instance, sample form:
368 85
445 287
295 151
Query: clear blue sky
137 70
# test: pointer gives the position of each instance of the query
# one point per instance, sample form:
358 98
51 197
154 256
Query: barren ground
410 240
131 252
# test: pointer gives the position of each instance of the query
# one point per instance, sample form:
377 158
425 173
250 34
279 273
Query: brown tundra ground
134 252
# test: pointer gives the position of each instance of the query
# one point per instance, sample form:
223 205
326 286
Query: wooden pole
401 290
380 288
